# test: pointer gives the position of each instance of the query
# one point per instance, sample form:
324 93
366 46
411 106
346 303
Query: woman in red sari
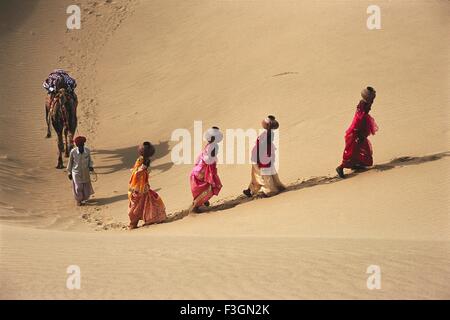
358 149
144 203
205 181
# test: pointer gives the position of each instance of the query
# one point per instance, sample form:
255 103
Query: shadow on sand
315 181
106 201
14 13
125 158
232 202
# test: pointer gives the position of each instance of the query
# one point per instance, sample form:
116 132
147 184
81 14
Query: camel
60 111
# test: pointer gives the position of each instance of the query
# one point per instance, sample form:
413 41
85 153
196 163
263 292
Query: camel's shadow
315 181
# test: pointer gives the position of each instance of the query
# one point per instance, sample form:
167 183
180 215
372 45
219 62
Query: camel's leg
47 117
66 143
73 122
61 150
75 105
71 145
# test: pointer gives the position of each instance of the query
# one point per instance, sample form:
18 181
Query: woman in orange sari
144 203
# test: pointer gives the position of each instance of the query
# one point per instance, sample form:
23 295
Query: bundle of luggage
59 79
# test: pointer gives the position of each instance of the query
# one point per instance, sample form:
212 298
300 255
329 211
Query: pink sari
204 179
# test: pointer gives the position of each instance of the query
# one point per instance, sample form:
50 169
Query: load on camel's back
61 110
58 78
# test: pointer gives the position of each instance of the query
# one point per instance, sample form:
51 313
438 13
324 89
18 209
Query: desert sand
146 68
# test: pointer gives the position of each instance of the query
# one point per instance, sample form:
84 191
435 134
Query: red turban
79 141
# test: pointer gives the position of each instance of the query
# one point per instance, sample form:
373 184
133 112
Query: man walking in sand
78 168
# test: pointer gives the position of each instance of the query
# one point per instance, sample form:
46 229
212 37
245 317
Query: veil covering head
213 134
270 123
146 150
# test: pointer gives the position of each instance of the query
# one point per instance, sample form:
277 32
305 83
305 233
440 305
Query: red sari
358 149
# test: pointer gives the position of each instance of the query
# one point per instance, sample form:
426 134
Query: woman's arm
70 166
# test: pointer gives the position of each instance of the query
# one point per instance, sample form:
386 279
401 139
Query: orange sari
144 203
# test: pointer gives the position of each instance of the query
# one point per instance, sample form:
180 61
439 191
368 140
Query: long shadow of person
106 201
232 202
124 158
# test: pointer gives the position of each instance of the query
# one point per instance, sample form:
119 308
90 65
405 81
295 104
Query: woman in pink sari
358 149
204 179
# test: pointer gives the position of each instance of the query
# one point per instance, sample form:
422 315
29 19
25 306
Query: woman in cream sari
264 177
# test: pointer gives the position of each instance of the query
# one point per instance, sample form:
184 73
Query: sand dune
194 267
146 68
